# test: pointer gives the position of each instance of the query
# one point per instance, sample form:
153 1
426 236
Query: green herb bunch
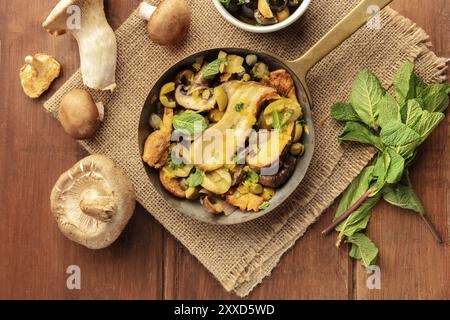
396 126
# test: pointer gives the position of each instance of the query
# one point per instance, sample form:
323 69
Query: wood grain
146 262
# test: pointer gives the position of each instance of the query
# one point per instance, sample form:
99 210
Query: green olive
260 70
155 121
221 98
268 193
298 132
251 59
256 189
297 149
192 193
163 95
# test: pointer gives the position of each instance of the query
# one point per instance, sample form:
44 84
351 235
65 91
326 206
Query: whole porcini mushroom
86 21
38 73
93 202
168 23
79 115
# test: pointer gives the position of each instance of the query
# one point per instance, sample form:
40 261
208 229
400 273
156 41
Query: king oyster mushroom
93 202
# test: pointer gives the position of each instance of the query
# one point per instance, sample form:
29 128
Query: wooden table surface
147 262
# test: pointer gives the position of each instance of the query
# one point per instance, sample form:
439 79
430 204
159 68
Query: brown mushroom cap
170 22
79 115
93 202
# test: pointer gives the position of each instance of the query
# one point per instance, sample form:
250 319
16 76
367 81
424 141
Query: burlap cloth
241 256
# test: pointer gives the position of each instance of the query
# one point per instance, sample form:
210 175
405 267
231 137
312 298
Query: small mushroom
79 115
38 73
93 202
171 184
168 23
287 168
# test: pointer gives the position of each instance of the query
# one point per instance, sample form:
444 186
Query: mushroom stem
146 10
97 206
101 111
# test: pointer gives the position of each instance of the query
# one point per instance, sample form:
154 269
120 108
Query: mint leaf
239 107
380 170
225 3
195 179
403 196
213 68
396 133
420 85
389 110
359 219
413 113
357 132
264 205
363 248
435 97
190 123
404 83
366 97
396 166
344 112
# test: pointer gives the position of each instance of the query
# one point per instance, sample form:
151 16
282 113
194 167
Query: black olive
252 4
233 6
247 11
278 5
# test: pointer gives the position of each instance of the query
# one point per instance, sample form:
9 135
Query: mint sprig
396 126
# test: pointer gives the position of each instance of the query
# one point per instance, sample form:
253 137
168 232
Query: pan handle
342 31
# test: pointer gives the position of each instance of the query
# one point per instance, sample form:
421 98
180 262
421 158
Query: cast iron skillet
298 70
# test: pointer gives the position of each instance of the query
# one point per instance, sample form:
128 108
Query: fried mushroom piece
287 168
282 81
245 202
156 149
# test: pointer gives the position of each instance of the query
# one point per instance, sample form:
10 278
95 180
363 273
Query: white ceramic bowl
262 29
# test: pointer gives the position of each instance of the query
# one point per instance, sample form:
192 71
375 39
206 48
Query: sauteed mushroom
194 97
259 17
287 168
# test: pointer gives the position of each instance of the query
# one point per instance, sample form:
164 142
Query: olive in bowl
261 16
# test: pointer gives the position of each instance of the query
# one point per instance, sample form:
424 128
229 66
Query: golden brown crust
282 81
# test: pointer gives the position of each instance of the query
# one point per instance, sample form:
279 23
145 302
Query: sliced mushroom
93 202
287 168
263 20
193 98
216 205
171 184
218 181
238 176
185 77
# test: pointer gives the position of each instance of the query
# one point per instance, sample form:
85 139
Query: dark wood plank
313 269
34 151
412 265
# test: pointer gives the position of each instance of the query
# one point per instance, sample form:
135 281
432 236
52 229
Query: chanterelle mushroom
93 202
96 40
38 73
